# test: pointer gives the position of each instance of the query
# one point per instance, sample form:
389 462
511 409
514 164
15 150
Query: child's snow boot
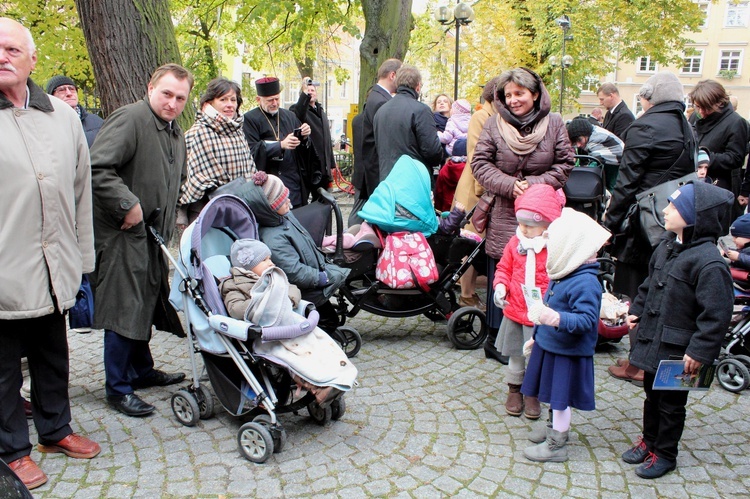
554 449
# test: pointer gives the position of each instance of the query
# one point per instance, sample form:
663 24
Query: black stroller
466 326
585 190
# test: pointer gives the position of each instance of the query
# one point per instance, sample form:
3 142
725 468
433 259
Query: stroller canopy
402 201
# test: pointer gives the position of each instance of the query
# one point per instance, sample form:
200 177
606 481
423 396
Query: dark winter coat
406 126
653 143
685 304
366 175
724 133
496 167
136 158
292 248
91 125
618 120
320 137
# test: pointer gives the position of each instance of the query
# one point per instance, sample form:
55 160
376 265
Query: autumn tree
127 41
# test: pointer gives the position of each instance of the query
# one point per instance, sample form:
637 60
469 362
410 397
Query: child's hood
256 199
573 239
712 211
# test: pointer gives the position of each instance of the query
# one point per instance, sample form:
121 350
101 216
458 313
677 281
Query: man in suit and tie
366 174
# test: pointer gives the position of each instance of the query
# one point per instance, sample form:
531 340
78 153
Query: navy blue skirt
559 380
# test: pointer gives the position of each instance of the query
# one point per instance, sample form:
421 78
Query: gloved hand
542 314
499 296
527 348
322 279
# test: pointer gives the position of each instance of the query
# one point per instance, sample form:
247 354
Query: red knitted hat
539 204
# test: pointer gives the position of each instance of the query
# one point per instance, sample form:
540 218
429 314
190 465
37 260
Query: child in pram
259 292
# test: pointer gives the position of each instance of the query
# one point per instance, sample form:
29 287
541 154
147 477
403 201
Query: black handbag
651 204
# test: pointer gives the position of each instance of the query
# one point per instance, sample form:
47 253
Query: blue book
671 375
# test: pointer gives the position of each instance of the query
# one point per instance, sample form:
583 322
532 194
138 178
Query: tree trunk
388 25
127 40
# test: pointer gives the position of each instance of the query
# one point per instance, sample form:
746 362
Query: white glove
499 296
542 314
527 348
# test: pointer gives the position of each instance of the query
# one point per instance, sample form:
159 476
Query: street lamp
463 14
566 61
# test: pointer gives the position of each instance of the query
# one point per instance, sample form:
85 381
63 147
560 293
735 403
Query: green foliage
524 33
61 47
269 36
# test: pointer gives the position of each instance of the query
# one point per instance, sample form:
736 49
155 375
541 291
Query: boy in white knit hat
561 365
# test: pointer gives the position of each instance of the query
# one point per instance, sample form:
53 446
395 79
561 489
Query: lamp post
463 14
566 61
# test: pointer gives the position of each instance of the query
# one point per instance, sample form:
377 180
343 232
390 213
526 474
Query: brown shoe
531 408
74 446
472 301
514 402
627 373
622 362
30 474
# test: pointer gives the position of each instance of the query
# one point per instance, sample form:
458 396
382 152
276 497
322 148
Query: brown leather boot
627 372
514 402
531 408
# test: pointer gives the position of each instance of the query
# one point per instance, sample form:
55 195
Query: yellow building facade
720 51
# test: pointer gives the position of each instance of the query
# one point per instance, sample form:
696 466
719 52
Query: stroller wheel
185 407
744 359
205 402
320 415
348 339
733 375
278 433
255 442
467 328
338 408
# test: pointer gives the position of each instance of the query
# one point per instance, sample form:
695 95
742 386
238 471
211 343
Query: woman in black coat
659 147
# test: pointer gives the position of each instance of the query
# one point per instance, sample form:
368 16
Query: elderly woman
217 151
523 144
722 132
659 147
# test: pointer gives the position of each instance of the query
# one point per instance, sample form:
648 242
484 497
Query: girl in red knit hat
520 281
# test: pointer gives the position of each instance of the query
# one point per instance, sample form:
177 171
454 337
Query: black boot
490 352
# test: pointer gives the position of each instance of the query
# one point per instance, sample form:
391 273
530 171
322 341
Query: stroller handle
338 255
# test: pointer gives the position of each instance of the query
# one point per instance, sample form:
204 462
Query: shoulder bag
486 202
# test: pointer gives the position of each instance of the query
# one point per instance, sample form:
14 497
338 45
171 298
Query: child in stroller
248 377
259 292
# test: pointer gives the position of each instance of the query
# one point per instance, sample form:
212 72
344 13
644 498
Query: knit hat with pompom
274 189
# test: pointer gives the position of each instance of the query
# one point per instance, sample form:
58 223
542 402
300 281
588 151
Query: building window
590 84
646 65
704 8
329 89
342 94
737 14
730 60
692 64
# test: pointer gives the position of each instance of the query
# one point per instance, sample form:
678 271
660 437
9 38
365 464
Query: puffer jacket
496 167
511 271
47 238
685 304
292 248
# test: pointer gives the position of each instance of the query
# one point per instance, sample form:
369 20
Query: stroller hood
255 198
402 201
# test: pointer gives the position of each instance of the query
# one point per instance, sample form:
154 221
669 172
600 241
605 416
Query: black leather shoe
636 454
655 467
130 405
158 378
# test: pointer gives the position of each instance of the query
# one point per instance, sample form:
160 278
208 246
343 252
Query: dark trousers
125 360
663 418
44 341
329 319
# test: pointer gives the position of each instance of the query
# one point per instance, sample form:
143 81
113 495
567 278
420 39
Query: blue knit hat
683 200
741 227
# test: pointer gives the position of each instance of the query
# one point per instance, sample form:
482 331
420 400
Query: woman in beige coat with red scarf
523 144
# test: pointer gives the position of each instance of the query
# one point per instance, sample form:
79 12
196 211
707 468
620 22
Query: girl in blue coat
561 366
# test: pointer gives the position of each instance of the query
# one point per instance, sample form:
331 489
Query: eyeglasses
64 89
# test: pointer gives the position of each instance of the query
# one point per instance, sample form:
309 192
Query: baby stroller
733 370
247 383
466 326
585 190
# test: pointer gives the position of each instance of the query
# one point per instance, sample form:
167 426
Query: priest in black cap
276 147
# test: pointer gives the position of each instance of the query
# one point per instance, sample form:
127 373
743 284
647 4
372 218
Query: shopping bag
406 262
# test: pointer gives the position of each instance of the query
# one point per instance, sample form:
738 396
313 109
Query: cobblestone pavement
426 421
